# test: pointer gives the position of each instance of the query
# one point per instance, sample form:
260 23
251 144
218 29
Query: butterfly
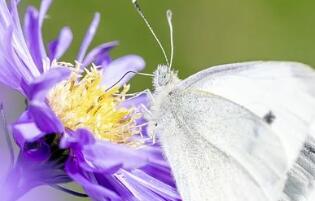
237 132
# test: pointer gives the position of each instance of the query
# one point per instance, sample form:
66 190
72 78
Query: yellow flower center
81 102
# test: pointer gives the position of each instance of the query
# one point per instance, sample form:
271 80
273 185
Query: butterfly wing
220 151
284 90
300 182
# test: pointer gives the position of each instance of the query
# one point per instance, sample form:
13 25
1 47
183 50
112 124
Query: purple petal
158 166
118 68
103 156
156 155
79 138
25 129
33 32
111 182
164 174
12 69
26 132
136 101
41 86
95 191
88 37
153 184
33 36
45 118
99 55
40 153
103 60
18 44
8 75
25 86
59 46
139 191
43 10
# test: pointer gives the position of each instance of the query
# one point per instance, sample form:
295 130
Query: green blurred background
207 32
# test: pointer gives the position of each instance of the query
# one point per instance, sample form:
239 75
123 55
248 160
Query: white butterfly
212 129
237 132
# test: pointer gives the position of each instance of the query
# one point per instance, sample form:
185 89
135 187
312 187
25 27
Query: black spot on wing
269 118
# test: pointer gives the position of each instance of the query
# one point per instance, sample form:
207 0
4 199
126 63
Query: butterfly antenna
139 10
7 134
128 72
169 16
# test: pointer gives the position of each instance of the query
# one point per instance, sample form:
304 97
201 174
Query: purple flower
79 124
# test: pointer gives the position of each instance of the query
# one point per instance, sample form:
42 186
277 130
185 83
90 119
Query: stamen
81 102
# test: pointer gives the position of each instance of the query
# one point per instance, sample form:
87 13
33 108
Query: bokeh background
207 32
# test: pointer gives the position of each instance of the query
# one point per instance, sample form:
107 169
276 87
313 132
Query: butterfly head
164 76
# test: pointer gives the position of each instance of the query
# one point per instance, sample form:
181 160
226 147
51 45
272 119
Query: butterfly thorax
164 82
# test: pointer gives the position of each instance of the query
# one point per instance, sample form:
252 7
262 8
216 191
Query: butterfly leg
145 109
148 114
149 95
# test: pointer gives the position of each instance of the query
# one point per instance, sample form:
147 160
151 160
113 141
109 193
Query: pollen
81 102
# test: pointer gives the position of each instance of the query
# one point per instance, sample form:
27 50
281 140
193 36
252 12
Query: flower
79 124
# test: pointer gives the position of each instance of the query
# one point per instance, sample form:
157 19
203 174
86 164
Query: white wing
220 151
286 89
300 182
